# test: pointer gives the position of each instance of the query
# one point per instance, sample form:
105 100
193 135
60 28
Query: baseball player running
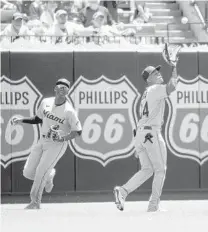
149 144
59 124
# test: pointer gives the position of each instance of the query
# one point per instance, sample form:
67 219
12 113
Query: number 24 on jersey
144 110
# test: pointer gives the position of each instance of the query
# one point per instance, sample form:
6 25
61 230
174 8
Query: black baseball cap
149 70
63 81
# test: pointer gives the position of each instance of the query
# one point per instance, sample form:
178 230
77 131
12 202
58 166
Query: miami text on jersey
49 115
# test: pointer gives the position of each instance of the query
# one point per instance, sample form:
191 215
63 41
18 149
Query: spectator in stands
7 11
16 28
112 7
35 10
80 4
38 29
103 34
61 29
91 8
97 23
141 14
47 16
26 7
99 28
19 5
67 6
25 19
6 5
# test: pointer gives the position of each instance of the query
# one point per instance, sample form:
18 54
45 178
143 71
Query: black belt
147 128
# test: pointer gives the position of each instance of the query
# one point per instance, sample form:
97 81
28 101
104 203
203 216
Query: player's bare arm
171 85
170 55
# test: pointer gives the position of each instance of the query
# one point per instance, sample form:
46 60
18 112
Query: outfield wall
106 91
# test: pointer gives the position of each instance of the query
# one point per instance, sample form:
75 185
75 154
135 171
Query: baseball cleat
155 208
49 184
119 199
33 205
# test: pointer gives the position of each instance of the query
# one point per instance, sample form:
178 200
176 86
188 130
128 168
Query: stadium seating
166 16
165 24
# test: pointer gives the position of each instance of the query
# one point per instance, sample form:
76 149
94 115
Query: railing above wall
90 42
203 6
76 41
199 13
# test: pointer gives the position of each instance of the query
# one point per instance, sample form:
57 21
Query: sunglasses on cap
63 84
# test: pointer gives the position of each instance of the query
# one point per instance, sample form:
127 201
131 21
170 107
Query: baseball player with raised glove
60 124
149 143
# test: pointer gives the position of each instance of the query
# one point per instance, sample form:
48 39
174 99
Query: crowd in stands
62 21
74 22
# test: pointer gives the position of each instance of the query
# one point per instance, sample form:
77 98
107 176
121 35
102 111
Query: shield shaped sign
107 111
186 129
17 98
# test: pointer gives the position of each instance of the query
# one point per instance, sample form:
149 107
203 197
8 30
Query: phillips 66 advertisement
187 125
17 98
107 111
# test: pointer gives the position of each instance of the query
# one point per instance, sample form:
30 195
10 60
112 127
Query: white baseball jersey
150 145
64 115
152 106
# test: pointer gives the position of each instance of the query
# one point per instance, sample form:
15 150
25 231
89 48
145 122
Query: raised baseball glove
170 54
55 134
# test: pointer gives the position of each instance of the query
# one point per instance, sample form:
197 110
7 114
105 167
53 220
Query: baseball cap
63 81
98 14
148 70
61 12
17 16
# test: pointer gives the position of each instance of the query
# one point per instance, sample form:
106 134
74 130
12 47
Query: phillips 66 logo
107 111
17 98
187 126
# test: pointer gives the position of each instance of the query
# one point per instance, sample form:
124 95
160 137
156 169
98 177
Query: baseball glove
55 134
170 54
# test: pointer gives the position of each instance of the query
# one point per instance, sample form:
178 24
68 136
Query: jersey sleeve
160 92
40 110
74 121
5 31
